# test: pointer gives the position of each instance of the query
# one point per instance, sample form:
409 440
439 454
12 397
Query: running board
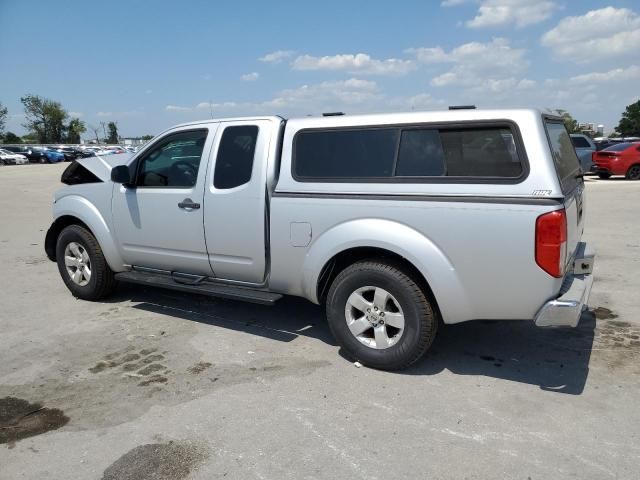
203 288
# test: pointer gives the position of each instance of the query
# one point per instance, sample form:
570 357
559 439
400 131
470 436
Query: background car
584 147
620 159
10 158
52 156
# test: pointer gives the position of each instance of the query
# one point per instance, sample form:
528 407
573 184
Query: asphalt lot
156 384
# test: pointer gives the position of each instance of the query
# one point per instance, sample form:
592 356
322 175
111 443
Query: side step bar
203 288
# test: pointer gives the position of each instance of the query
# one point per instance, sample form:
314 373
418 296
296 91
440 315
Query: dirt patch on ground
198 368
157 461
603 313
20 419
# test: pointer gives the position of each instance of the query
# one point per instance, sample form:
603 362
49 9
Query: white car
10 158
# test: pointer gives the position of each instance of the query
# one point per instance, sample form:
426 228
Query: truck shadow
556 360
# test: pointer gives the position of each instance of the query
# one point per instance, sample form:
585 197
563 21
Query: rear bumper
565 310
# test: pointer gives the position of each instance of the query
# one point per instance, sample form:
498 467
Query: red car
619 159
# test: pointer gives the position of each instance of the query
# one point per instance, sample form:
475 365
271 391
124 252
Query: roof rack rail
332 114
462 107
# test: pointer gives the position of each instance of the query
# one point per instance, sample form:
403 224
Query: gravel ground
156 384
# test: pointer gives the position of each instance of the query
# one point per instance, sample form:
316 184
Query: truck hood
101 166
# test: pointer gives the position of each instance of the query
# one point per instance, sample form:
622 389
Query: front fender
400 239
81 208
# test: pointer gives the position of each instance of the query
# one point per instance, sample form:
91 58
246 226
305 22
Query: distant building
132 141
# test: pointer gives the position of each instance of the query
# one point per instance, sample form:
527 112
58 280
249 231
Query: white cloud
177 108
104 114
597 35
277 56
494 13
75 114
475 63
359 63
452 3
250 77
326 95
617 75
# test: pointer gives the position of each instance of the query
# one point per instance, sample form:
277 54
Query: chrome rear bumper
565 310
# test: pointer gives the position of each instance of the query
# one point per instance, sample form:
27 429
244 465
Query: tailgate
570 176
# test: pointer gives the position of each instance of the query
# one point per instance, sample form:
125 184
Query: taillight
551 242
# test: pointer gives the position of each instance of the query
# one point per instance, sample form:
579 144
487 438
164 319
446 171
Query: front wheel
633 173
380 315
82 265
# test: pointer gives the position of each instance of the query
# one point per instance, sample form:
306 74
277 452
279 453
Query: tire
76 241
407 300
633 173
604 176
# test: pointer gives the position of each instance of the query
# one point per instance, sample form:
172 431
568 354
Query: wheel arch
356 240
73 209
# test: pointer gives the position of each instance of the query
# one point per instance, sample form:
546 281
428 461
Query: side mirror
121 174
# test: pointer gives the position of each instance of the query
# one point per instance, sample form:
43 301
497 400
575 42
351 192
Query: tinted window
619 147
421 154
174 161
235 156
346 153
564 154
481 152
580 142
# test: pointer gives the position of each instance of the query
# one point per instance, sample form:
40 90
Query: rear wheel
604 176
633 173
380 315
82 265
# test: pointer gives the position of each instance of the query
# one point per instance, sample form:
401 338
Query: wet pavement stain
20 419
157 461
198 368
603 313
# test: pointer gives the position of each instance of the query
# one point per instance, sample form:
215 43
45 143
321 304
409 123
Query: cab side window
173 162
234 162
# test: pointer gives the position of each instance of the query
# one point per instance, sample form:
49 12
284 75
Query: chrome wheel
374 317
78 263
634 173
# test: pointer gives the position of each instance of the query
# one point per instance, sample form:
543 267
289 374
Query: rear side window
346 153
619 147
388 153
580 142
564 155
234 162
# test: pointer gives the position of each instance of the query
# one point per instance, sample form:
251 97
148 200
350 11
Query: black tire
604 176
420 317
101 282
634 172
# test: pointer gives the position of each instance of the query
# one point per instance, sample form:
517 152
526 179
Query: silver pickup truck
394 222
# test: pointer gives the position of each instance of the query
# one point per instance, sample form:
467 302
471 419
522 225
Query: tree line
46 121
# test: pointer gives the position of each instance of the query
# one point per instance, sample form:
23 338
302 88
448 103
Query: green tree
629 125
75 129
44 118
569 122
113 132
11 137
146 138
3 117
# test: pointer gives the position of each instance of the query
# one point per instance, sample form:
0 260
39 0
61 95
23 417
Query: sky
149 65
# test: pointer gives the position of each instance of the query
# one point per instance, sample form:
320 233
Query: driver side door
158 221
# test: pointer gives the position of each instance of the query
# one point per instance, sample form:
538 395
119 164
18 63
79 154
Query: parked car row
54 154
607 157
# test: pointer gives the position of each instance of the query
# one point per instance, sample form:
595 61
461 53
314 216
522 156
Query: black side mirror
122 174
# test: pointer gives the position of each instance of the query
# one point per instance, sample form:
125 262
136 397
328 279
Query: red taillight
551 242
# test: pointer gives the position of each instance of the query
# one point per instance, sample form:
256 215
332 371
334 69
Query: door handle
187 203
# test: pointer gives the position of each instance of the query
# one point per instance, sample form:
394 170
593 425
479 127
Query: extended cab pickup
395 222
